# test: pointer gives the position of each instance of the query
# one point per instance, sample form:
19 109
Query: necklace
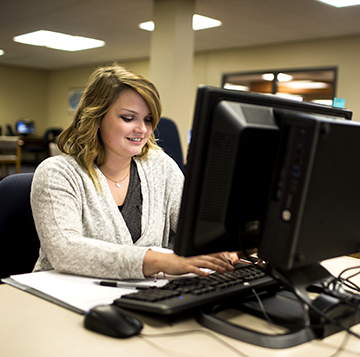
117 183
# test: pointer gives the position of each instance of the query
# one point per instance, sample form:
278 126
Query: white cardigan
82 230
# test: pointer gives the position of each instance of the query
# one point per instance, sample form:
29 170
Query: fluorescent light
306 85
2 52
199 23
268 76
58 41
283 77
148 25
341 3
202 22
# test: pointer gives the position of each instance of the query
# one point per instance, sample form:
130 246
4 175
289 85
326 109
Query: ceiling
245 23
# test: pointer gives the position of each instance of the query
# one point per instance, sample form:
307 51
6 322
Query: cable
262 307
347 281
290 326
319 312
304 302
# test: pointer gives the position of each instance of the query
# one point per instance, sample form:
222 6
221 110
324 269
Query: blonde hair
81 139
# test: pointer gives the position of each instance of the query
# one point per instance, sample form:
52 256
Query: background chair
10 153
168 138
9 130
41 150
19 242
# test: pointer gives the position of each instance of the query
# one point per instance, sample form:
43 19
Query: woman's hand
155 262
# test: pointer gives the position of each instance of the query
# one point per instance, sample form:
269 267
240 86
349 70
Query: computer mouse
113 321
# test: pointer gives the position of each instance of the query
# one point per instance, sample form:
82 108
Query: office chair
9 130
42 151
167 136
19 242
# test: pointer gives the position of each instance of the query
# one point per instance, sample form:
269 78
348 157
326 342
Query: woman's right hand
155 262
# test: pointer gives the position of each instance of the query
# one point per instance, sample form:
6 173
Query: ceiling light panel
341 3
198 23
58 41
202 22
148 26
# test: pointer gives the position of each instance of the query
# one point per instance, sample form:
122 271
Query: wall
23 94
43 96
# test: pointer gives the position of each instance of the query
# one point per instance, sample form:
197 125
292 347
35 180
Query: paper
80 292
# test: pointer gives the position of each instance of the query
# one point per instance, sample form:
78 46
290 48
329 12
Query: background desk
30 326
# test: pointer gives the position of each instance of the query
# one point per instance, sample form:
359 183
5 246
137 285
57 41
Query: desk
30 326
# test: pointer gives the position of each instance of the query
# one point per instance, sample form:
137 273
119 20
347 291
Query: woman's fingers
174 264
217 262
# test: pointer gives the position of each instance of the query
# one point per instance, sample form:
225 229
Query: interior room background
43 96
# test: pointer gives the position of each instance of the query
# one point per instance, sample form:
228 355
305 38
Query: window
312 85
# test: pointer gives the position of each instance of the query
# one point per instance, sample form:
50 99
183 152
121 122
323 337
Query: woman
102 208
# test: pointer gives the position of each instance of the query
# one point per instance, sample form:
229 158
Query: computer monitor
233 151
25 127
281 176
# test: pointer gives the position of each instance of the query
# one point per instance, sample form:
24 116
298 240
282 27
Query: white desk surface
31 326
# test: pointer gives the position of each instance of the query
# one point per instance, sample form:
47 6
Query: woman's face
126 127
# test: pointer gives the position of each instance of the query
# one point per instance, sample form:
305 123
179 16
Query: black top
132 207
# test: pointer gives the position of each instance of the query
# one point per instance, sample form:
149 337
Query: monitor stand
284 309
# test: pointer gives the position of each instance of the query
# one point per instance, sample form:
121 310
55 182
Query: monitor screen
24 127
237 141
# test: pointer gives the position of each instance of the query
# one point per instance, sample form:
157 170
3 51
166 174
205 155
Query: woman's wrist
152 262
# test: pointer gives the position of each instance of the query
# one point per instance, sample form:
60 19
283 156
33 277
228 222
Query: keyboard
189 292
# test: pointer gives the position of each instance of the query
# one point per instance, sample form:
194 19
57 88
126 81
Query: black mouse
113 321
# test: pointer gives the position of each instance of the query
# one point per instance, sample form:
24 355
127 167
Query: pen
115 284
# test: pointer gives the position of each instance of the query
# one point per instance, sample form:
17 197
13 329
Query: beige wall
23 94
43 96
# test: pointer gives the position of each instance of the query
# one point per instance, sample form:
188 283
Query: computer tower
313 211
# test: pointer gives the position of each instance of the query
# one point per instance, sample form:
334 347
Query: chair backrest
19 242
9 142
10 153
50 135
9 130
168 138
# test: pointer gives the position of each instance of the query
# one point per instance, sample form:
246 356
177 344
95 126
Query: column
171 61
